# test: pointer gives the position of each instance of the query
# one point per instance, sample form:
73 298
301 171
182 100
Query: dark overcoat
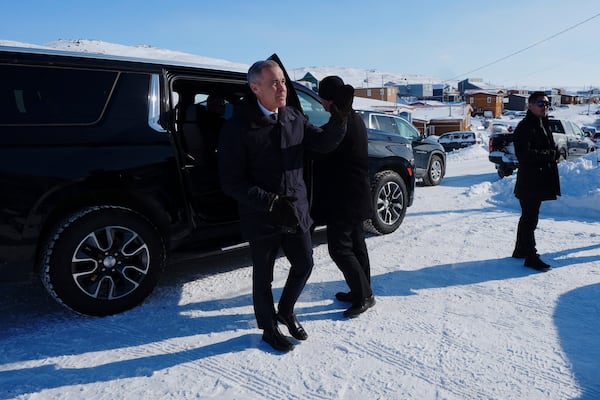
537 175
342 186
259 157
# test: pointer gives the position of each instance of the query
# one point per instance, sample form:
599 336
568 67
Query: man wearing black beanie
343 200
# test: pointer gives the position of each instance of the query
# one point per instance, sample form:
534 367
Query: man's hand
283 212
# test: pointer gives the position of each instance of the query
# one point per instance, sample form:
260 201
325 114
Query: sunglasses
542 103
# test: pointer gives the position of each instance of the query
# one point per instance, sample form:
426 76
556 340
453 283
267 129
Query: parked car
458 140
577 144
106 167
430 157
592 133
569 140
503 126
589 131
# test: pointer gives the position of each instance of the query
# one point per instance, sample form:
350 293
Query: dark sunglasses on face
542 103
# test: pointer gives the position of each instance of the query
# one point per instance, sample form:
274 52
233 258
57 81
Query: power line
525 48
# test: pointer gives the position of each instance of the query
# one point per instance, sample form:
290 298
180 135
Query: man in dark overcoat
261 160
537 175
343 201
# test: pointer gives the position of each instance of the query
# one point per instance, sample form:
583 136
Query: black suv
107 166
430 157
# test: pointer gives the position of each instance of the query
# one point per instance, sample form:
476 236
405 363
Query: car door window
405 129
556 126
577 131
385 123
313 109
54 96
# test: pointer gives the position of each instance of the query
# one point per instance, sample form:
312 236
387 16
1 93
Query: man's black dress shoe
536 263
347 297
276 339
296 330
360 307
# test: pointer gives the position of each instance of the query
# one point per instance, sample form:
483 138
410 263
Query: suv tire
103 260
389 203
435 171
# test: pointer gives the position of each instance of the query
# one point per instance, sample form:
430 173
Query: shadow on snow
35 329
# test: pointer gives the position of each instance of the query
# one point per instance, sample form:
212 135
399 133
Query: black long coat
342 187
537 175
259 157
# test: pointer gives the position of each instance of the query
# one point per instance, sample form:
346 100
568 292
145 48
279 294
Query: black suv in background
430 157
107 165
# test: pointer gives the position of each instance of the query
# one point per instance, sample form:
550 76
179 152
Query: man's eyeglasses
542 103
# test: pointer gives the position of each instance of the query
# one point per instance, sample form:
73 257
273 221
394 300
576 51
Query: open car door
292 96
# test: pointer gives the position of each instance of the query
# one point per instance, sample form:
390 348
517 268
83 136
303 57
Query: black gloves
342 105
284 214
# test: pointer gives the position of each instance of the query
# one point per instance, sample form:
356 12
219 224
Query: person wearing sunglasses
537 176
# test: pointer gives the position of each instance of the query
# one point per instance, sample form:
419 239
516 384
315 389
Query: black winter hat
329 87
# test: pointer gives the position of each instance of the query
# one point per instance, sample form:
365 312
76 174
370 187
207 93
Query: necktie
274 116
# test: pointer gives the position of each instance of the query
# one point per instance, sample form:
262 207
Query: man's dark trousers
348 250
530 211
297 247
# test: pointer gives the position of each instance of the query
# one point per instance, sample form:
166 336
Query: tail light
491 145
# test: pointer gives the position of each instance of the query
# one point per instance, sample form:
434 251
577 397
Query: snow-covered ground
456 317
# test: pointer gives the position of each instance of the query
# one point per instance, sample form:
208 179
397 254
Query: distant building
385 93
516 102
472 84
442 118
417 90
386 107
485 100
310 81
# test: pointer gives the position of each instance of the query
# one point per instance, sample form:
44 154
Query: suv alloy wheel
103 260
389 197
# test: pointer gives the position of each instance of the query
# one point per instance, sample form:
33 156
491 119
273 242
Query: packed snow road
456 317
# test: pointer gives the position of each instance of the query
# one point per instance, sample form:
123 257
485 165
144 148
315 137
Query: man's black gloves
342 105
284 214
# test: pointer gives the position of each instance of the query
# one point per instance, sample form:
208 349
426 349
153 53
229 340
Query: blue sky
444 39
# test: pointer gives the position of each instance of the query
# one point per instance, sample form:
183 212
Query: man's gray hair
257 68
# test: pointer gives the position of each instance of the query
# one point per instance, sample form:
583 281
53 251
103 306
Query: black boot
360 307
536 263
347 297
296 330
276 339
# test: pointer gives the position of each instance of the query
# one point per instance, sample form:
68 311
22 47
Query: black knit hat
329 87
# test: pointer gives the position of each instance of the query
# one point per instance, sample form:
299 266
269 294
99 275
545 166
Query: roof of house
447 111
363 103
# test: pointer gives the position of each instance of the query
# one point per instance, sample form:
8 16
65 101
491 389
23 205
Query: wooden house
485 100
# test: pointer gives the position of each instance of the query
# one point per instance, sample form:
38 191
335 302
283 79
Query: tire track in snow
201 363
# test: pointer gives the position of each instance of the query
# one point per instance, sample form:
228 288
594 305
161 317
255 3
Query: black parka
259 157
537 175
342 186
